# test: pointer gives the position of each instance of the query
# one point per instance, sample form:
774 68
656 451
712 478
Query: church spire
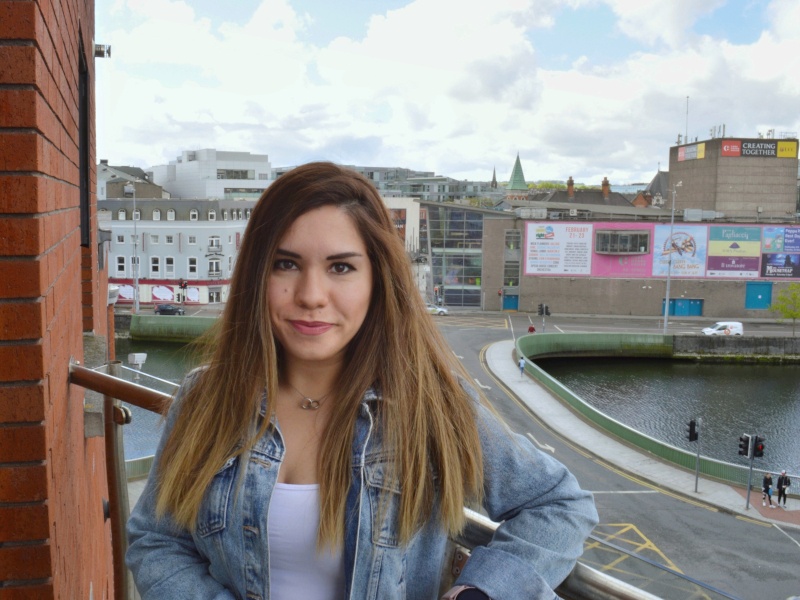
517 181
494 178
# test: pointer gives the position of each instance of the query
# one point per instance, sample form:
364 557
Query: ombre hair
426 419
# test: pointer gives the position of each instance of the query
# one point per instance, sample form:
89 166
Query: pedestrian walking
766 490
531 329
521 366
783 483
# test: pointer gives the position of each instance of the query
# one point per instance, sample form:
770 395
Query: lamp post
131 189
670 242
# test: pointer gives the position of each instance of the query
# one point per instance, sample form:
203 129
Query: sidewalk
501 361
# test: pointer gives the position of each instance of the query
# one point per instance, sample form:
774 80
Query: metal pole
135 258
697 457
686 132
750 473
669 246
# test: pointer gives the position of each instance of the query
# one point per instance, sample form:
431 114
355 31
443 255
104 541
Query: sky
580 88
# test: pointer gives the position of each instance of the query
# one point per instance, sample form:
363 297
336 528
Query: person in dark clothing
766 490
783 483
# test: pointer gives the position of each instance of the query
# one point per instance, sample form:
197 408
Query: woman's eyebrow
339 256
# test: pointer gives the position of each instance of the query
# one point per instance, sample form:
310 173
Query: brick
21 236
22 443
25 562
21 320
23 483
22 403
24 523
18 108
28 592
23 362
18 20
18 64
20 278
20 151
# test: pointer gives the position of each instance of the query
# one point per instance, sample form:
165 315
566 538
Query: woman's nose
312 289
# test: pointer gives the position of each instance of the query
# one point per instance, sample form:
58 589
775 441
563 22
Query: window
168 239
214 243
225 215
240 214
193 268
120 266
155 266
247 214
121 215
230 239
263 176
236 174
192 239
135 266
120 239
622 241
156 214
230 264
212 215
170 214
169 267
153 239
193 214
137 214
214 268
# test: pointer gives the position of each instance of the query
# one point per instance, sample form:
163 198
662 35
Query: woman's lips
311 327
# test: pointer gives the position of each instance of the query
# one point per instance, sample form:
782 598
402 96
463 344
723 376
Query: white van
725 328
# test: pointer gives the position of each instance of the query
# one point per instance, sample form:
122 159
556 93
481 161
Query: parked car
725 328
436 310
169 309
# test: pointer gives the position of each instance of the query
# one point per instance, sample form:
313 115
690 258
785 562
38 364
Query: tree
787 304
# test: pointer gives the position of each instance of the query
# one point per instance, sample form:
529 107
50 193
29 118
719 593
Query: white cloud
454 86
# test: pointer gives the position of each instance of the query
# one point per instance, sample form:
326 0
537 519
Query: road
744 557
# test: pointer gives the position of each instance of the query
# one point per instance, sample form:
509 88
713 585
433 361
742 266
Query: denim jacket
545 520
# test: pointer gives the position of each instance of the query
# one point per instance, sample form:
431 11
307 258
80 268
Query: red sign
731 148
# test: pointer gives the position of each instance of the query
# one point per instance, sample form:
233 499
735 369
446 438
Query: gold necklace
309 403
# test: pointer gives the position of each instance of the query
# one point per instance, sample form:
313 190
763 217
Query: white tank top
296 569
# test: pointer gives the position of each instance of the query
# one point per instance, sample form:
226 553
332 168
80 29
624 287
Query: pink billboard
623 265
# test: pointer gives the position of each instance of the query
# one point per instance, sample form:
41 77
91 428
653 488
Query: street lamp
131 189
670 242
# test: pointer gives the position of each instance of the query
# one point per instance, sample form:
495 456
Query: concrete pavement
501 360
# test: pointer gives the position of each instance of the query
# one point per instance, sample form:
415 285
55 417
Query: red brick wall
54 541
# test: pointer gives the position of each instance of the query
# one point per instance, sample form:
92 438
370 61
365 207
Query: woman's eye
284 264
341 268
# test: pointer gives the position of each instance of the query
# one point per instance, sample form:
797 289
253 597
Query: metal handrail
582 583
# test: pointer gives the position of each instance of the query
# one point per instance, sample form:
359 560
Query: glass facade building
452 237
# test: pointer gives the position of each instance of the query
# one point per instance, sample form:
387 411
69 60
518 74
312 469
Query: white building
214 174
173 241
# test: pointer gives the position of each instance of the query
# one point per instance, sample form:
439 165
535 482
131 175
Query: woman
328 446
766 490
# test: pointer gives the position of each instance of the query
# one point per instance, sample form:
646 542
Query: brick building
54 540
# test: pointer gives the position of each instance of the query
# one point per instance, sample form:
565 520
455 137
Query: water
165 361
658 397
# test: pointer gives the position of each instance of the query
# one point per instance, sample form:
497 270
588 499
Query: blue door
510 302
685 307
758 295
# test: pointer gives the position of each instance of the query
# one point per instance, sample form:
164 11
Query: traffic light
691 430
758 447
744 445
546 310
541 309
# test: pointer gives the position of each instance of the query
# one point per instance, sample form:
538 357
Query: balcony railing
585 582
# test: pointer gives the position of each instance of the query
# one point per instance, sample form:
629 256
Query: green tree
787 304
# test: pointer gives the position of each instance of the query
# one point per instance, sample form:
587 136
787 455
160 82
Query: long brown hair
426 418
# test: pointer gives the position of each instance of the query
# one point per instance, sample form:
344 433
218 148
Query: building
112 179
55 541
185 248
214 174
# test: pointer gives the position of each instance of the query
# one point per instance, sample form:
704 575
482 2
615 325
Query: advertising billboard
733 252
682 252
558 248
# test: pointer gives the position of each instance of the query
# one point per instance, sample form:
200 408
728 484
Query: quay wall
658 346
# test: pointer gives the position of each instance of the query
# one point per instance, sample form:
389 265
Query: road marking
626 492
480 385
753 521
457 356
787 535
547 447
559 329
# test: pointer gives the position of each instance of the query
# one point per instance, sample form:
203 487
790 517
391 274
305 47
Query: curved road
744 557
